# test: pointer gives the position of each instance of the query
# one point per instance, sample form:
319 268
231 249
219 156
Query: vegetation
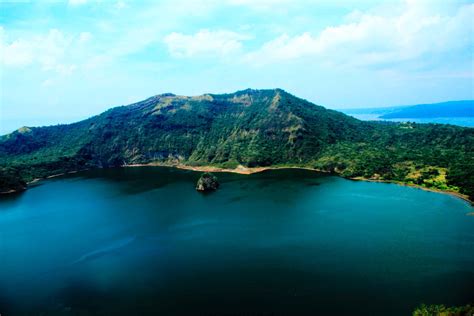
251 128
10 180
441 310
207 182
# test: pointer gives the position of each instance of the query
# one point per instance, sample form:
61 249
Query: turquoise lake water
142 241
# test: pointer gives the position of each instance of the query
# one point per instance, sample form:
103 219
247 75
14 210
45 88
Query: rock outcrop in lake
207 182
252 128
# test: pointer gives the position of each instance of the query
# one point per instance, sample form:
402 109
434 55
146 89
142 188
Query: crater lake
142 241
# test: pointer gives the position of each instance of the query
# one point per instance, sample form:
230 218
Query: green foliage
10 180
207 182
250 128
430 155
441 310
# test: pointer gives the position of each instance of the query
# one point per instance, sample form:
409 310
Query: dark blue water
142 241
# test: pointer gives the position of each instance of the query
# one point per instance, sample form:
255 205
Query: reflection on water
116 245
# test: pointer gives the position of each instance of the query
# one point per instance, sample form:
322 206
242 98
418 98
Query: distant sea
460 121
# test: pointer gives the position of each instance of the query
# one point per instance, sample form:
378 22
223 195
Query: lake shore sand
246 170
250 170
240 169
453 193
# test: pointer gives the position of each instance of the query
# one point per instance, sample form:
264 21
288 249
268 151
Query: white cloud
375 39
14 54
47 83
77 2
84 37
45 50
204 43
17 54
261 4
53 51
120 5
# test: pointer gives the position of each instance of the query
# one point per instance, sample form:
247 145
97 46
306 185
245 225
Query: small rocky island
207 182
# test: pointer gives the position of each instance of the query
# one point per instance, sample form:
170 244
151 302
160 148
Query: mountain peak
258 91
251 127
24 130
167 94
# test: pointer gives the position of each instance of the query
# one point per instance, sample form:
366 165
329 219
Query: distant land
247 129
451 112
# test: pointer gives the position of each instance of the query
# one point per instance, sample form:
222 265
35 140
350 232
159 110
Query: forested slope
251 128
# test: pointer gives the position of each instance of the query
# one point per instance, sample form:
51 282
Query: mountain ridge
252 128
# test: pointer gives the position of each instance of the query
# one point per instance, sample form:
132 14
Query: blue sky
64 61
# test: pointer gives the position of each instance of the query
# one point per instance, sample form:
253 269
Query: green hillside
251 128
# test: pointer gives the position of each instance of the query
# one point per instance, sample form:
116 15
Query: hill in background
444 109
251 128
452 112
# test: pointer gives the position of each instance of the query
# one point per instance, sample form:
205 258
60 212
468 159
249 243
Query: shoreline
415 186
251 170
54 176
247 171
11 192
239 170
